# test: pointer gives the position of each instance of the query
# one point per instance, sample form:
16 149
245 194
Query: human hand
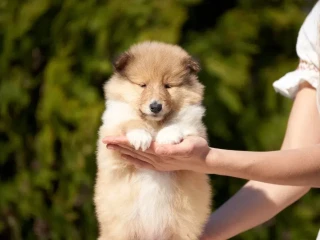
190 154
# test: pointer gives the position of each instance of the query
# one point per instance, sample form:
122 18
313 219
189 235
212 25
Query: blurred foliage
55 56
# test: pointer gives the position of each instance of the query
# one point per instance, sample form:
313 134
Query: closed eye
167 86
143 85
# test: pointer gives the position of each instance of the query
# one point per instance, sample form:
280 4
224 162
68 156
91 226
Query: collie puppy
154 94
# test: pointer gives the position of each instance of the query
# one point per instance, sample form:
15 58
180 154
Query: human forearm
254 204
288 167
257 202
239 213
300 167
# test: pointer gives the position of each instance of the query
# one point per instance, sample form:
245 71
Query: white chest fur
153 207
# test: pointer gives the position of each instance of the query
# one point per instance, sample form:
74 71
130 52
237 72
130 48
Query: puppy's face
156 79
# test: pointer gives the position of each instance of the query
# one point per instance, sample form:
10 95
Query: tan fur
155 65
134 124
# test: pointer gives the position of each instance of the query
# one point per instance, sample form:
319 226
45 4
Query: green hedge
55 56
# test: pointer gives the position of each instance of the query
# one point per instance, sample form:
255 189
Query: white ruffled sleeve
308 50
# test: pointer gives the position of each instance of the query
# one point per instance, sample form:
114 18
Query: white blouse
308 50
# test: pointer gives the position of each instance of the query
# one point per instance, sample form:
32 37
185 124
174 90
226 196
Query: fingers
115 140
149 157
131 148
126 150
146 154
122 140
184 148
137 163
141 164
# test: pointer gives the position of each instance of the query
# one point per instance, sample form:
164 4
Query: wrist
212 160
226 162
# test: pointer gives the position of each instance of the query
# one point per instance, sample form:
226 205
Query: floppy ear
193 65
121 62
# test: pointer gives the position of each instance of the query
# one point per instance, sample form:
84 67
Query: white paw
169 135
139 138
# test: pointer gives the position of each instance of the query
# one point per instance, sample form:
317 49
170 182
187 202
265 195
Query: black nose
155 107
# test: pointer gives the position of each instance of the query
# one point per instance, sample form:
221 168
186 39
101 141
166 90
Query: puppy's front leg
139 134
187 123
171 134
